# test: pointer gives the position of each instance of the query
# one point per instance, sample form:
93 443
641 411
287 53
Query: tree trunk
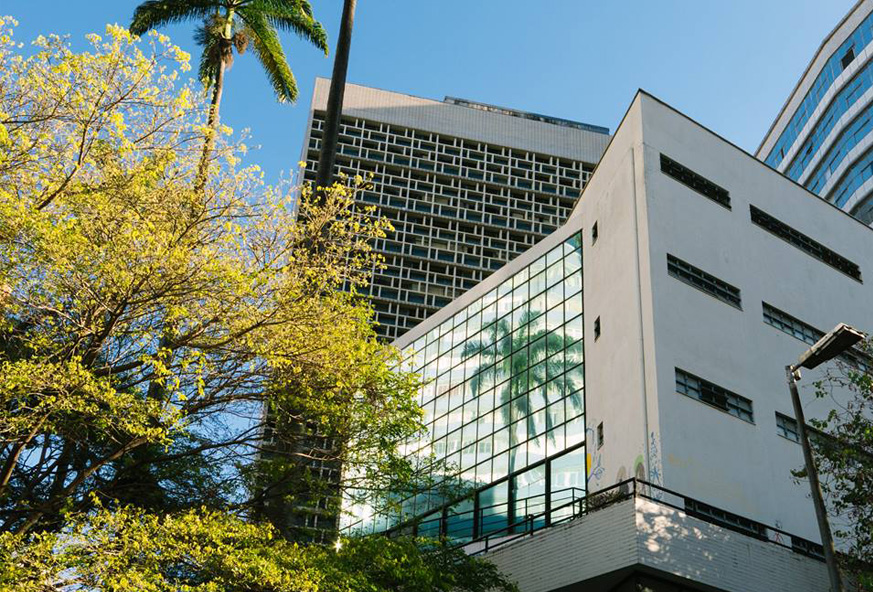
327 158
215 103
212 124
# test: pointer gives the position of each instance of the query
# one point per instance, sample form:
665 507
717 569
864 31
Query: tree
130 550
327 157
236 24
843 443
145 327
138 312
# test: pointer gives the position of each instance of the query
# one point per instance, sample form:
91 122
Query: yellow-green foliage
149 320
139 311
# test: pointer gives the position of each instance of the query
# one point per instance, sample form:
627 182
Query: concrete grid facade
467 187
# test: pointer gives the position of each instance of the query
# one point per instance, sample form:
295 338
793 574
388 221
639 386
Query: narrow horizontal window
703 281
787 427
724 518
700 184
804 243
809 334
714 395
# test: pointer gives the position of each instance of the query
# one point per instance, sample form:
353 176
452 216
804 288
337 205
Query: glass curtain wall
503 402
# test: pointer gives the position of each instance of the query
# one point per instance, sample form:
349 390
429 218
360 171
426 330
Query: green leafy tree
203 551
146 325
843 444
228 25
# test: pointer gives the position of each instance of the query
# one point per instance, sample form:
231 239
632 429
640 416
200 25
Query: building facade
467 187
823 136
614 399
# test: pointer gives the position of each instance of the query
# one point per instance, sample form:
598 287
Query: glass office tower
504 404
822 137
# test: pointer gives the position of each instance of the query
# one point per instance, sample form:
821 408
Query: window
700 184
848 57
703 281
809 334
594 233
596 328
787 427
714 395
600 435
726 519
804 243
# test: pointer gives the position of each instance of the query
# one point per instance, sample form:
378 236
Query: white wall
705 452
464 122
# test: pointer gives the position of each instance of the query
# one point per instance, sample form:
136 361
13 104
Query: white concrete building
823 135
702 273
467 187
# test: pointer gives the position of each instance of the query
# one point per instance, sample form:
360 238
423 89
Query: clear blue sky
729 65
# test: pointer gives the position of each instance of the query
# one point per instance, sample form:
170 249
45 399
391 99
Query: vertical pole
548 494
821 515
327 158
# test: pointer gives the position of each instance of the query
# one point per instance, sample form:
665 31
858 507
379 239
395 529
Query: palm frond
294 16
268 49
152 14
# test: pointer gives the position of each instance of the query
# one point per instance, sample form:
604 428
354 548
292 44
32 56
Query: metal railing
580 505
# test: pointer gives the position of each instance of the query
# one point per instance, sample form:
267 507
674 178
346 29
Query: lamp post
828 347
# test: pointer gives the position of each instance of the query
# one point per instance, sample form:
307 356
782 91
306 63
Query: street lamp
828 347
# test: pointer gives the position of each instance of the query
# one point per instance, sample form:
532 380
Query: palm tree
236 24
327 157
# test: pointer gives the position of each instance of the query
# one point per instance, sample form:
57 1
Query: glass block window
787 427
804 243
809 334
503 401
788 324
703 281
698 183
714 395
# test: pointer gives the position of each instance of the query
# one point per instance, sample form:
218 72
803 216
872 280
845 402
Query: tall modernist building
823 136
615 399
467 187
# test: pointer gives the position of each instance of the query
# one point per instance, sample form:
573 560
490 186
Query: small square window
596 328
848 57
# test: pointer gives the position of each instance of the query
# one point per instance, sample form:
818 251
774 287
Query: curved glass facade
840 113
504 404
858 40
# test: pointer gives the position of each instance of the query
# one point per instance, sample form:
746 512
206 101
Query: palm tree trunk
327 158
212 125
215 103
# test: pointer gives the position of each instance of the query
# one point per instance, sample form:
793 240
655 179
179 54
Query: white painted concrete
641 534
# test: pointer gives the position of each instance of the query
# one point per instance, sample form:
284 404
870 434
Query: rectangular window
809 334
804 243
714 395
703 281
787 427
700 184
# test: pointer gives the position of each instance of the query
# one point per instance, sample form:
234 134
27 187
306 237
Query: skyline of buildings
634 350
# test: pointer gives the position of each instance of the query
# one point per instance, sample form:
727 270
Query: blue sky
729 65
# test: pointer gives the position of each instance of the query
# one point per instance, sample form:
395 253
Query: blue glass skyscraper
822 137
